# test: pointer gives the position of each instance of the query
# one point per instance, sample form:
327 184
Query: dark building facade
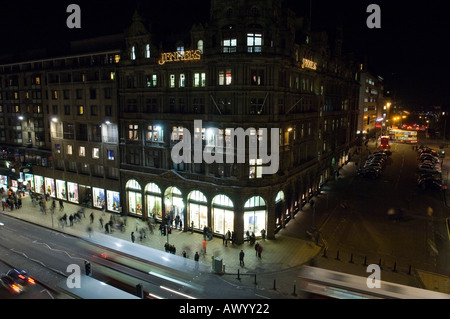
254 66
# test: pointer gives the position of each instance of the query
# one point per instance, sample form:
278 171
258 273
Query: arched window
222 214
173 201
255 212
134 195
153 196
198 210
279 197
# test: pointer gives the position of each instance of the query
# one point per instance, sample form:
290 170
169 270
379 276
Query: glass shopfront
50 187
39 184
198 210
255 215
222 214
4 182
173 201
72 191
154 201
134 196
98 196
113 201
61 191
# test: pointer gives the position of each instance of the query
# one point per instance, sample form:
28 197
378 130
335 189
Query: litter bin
217 264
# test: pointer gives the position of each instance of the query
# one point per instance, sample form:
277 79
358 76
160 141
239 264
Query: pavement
290 249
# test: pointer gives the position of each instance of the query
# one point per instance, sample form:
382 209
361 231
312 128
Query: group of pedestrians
11 199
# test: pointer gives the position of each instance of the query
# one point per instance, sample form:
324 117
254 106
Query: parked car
430 182
430 157
427 168
369 172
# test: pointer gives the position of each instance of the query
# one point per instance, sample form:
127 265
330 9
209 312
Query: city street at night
224 150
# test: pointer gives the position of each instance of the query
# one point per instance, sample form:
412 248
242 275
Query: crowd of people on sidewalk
11 199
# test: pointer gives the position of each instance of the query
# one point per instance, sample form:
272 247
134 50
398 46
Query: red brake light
31 280
15 288
22 277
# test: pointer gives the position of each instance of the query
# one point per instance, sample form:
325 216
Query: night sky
411 51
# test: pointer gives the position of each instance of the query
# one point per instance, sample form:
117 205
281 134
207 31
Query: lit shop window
133 132
95 152
199 80
255 170
225 77
69 149
172 81
111 155
229 45
155 134
182 81
82 152
152 80
254 42
177 134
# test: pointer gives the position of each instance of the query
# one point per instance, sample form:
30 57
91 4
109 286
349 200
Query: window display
72 191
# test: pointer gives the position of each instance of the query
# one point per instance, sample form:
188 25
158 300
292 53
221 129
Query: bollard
255 279
337 255
351 259
238 278
324 253
395 267
409 271
274 284
379 263
365 261
294 294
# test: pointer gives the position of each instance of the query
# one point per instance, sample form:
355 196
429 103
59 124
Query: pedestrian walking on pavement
256 249
91 216
196 258
101 222
260 249
132 236
241 258
204 243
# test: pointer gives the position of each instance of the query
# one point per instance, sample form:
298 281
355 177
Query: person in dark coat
241 258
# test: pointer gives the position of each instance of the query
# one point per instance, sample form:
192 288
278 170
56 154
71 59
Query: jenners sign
308 64
191 55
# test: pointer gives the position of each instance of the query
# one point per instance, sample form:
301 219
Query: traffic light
87 268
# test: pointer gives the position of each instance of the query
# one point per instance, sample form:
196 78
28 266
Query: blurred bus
403 136
384 143
320 283
91 288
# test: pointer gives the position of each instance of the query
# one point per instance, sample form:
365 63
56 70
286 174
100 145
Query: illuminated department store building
112 118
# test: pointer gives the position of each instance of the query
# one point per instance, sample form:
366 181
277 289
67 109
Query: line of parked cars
429 169
374 165
15 280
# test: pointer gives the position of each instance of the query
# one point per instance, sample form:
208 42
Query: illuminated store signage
308 64
191 55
